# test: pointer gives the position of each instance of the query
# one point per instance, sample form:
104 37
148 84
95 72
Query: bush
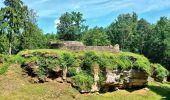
83 81
67 60
160 71
4 68
72 71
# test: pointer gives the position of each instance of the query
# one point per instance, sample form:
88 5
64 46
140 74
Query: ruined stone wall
78 46
93 48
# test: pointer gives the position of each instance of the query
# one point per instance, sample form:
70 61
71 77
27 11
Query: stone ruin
79 46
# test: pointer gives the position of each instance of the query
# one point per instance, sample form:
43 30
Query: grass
14 85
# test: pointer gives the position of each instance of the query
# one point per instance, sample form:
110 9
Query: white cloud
76 7
57 21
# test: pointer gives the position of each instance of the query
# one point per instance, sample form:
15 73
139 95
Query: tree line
19 30
131 33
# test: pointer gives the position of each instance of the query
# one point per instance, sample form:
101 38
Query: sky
96 12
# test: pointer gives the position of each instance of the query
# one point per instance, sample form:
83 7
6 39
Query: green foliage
71 26
89 62
122 31
139 36
72 71
67 59
19 29
89 58
83 81
33 38
138 61
161 72
4 68
4 44
5 62
96 37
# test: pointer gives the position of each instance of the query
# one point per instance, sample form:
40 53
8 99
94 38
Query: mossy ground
14 85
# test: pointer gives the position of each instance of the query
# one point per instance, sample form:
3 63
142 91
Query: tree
159 42
11 20
33 39
19 25
71 26
142 37
4 44
96 37
32 36
123 30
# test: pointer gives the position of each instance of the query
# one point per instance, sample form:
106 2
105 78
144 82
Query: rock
95 87
78 69
53 55
60 80
111 77
116 88
125 78
69 80
146 89
48 80
34 80
116 48
64 73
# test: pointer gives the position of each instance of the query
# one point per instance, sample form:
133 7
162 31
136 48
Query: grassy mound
15 86
48 60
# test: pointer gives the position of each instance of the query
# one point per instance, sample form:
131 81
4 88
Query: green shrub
4 68
72 71
83 81
20 59
67 60
42 71
31 59
88 59
161 72
3 58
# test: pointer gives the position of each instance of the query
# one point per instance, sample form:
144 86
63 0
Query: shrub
72 71
4 68
161 72
89 58
67 59
83 81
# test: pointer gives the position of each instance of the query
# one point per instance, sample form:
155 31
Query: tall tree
159 42
12 20
123 30
71 26
96 37
32 36
143 33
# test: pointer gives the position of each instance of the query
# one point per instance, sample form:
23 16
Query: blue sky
96 12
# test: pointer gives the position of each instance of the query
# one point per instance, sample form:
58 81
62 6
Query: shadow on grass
163 91
135 88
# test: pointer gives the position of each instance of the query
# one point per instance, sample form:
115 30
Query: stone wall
79 46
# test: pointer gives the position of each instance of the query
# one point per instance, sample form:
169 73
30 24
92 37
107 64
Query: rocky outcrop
95 72
118 79
113 79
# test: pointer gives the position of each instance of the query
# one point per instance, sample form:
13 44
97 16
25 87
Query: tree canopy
71 26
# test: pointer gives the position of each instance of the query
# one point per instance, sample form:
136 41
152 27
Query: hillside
14 85
16 81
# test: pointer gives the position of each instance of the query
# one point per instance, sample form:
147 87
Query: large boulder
124 79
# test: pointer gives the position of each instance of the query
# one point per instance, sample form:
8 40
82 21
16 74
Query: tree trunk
10 49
